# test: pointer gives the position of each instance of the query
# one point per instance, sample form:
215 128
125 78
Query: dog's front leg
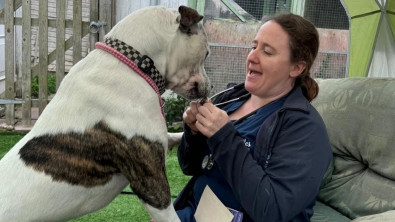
143 164
174 139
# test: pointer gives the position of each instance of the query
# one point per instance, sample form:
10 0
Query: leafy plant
51 85
324 66
174 108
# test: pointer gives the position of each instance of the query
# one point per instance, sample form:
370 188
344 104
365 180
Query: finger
192 103
211 107
188 116
193 128
202 120
204 111
191 123
190 119
200 127
187 112
194 108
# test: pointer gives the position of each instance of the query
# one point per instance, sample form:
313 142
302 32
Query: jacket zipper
269 140
269 155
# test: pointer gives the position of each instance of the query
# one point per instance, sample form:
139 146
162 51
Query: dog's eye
207 54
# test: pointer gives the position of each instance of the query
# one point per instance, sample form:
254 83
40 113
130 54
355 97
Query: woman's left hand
210 119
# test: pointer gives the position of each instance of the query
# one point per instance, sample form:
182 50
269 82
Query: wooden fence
99 10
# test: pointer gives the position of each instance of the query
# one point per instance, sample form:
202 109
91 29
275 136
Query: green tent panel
371 38
392 23
391 5
391 15
364 19
363 31
360 7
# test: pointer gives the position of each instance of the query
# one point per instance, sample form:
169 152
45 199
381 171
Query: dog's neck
143 62
129 56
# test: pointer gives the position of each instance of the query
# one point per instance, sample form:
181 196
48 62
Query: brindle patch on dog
92 158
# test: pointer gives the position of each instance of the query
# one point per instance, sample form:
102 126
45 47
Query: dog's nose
196 85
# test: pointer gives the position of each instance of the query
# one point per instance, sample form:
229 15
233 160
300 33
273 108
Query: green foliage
51 85
174 108
324 66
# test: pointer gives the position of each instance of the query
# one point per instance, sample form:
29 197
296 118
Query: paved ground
18 126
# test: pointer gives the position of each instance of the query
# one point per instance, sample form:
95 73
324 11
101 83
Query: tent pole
389 21
349 37
375 38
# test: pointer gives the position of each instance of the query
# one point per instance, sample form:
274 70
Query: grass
125 207
8 140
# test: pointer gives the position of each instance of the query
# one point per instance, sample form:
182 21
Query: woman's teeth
254 73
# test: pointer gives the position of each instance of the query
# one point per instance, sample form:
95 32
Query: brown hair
304 44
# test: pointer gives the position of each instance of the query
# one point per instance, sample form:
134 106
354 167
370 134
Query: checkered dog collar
145 63
131 64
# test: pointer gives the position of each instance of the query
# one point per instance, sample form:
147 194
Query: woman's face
270 72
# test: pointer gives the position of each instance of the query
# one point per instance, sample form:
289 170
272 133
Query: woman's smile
253 74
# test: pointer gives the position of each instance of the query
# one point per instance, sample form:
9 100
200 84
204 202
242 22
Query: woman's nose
252 56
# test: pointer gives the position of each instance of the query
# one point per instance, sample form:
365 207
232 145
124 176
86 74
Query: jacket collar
296 100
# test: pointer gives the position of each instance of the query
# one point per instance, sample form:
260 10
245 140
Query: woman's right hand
189 116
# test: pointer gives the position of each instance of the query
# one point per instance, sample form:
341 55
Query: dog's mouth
197 90
203 100
193 94
195 87
200 91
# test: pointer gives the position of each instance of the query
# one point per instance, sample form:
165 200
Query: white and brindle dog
104 128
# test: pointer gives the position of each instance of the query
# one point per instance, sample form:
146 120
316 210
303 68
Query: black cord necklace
208 160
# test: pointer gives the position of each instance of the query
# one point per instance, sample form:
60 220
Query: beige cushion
359 114
388 216
323 213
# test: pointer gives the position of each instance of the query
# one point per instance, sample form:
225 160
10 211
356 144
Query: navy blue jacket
281 179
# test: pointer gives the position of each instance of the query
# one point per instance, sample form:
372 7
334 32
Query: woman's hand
210 119
189 116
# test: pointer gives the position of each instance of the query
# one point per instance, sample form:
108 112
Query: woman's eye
253 48
267 53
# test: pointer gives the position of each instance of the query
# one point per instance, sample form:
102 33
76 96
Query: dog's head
185 71
177 43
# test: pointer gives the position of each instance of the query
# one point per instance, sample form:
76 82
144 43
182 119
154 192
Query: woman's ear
297 69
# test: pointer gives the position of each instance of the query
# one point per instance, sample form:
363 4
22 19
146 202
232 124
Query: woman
266 153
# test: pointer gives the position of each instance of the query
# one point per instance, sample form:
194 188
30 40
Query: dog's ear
189 18
178 19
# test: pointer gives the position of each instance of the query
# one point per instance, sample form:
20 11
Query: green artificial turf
125 207
8 140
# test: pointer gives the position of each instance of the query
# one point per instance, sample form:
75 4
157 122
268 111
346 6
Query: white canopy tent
372 38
